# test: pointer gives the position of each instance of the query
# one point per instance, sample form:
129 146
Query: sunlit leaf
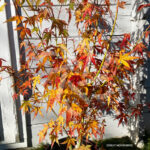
2 7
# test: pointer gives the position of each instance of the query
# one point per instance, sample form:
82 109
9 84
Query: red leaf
93 60
148 54
28 31
139 48
147 34
70 16
142 6
1 61
57 81
75 79
15 96
45 76
125 40
120 121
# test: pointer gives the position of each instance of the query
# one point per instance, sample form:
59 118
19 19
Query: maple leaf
36 80
124 59
108 100
2 7
76 108
16 18
69 114
125 41
54 139
75 79
148 54
50 103
122 117
43 133
57 81
85 60
27 84
1 60
121 4
139 48
69 142
25 106
37 110
15 96
143 6
83 147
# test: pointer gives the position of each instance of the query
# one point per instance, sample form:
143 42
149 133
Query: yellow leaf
25 106
2 7
35 81
69 142
60 120
51 123
76 108
63 46
41 20
125 63
54 139
108 101
127 57
43 133
124 58
37 110
86 90
85 43
83 147
38 2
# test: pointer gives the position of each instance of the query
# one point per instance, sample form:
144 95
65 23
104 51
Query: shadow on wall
141 20
146 81
142 14
1 127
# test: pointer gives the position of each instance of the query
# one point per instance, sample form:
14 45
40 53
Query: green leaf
71 6
65 33
35 29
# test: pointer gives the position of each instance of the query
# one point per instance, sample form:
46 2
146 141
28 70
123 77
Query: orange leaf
121 4
69 114
22 34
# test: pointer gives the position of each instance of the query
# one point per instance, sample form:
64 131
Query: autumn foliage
84 78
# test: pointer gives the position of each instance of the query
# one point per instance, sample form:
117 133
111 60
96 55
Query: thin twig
108 46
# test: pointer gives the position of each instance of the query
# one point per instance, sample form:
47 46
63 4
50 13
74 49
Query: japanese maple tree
84 79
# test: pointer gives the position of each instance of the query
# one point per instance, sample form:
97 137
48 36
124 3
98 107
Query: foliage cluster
84 79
